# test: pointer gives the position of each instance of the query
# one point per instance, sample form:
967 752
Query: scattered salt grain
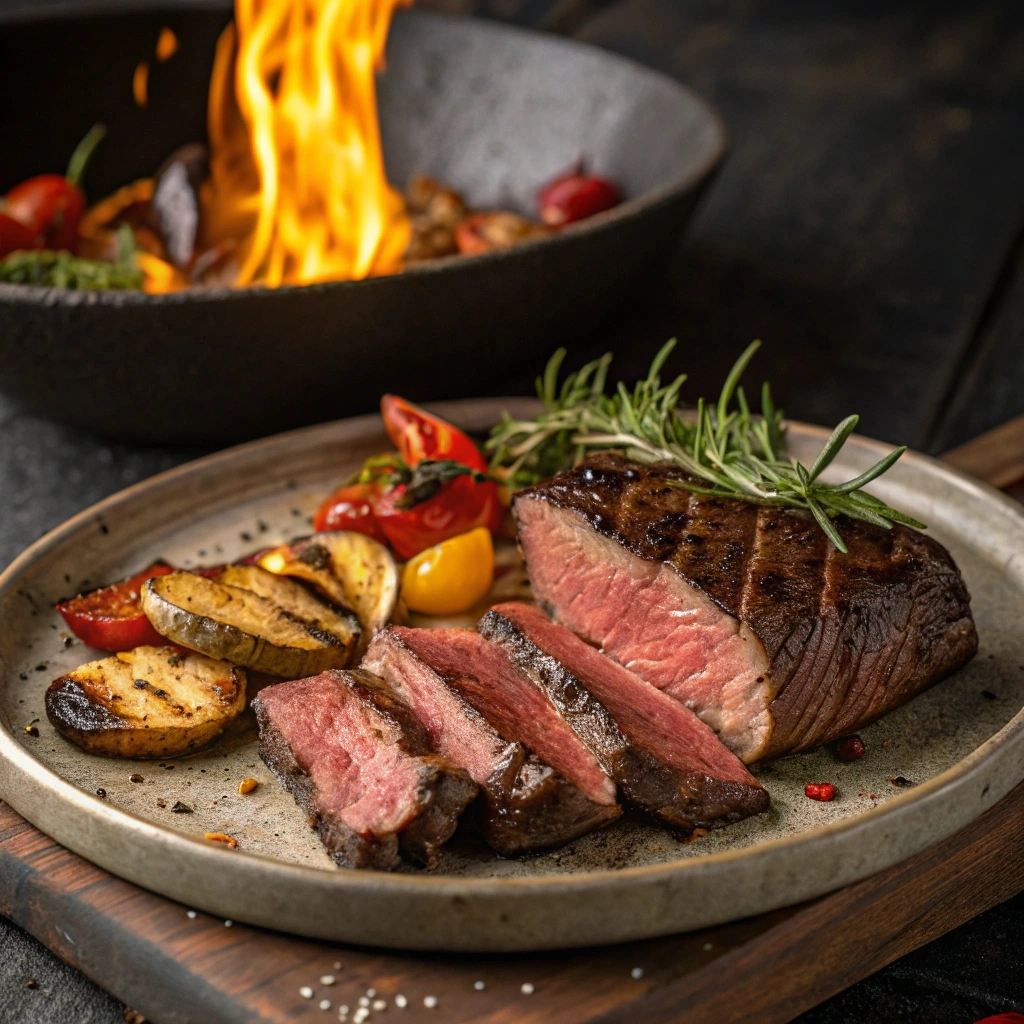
380 1004
707 947
479 986
342 1011
364 1002
229 924
191 915
326 979
371 992
337 965
637 973
401 1002
361 1014
526 988
306 992
325 1004
430 1002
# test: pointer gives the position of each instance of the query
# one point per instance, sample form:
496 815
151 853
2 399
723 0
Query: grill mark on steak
358 762
524 804
619 554
665 760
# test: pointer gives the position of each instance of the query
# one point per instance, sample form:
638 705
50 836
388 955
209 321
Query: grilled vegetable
485 232
350 508
348 568
150 702
175 209
575 196
51 205
297 600
241 626
62 270
111 618
450 577
15 236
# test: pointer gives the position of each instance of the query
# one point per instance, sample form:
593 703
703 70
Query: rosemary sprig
726 451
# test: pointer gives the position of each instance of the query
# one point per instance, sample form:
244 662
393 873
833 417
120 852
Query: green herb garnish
726 450
52 269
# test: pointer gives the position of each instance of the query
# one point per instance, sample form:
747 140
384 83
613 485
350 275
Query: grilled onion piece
241 626
346 567
150 702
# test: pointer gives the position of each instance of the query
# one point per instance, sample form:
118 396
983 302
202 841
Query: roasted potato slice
149 702
241 626
296 600
349 568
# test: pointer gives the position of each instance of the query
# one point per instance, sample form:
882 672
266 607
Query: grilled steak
524 804
577 796
746 614
664 758
357 760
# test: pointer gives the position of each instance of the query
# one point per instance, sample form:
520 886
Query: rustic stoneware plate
931 766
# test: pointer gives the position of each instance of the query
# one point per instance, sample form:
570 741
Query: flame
297 171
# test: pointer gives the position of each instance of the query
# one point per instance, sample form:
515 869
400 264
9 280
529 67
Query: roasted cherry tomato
1003 1018
575 196
51 205
418 435
351 508
450 577
460 506
111 618
14 236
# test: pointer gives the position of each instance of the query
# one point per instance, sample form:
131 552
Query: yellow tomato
451 576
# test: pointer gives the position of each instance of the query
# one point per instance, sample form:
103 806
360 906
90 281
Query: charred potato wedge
297 600
241 626
150 702
349 568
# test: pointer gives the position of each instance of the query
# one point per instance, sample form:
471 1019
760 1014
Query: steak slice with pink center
524 804
746 614
358 762
664 758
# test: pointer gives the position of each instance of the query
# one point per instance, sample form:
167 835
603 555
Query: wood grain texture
176 970
996 456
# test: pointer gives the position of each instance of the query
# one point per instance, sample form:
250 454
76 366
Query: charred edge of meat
538 809
684 800
347 848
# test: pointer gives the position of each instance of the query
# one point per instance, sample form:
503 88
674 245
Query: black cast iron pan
491 110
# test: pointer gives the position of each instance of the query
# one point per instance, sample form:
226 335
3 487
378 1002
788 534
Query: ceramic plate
931 766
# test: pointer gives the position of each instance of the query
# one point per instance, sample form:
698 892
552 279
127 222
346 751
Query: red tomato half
460 506
350 508
1003 1018
111 618
418 435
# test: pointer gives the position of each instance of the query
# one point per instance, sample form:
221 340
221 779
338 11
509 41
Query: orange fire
297 186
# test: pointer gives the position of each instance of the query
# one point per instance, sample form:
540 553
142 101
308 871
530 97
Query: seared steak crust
845 637
409 798
685 791
523 805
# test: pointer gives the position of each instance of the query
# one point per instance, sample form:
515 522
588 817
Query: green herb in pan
63 270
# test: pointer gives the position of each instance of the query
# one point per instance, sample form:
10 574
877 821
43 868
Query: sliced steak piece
357 760
525 804
664 758
746 614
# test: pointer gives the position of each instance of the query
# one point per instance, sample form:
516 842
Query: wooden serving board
179 969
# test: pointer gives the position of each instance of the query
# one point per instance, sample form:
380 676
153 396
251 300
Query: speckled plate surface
931 767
